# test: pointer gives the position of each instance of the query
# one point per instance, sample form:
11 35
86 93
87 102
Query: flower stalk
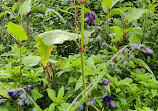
82 54
20 63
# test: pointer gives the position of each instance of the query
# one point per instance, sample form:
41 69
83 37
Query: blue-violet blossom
106 99
112 105
30 88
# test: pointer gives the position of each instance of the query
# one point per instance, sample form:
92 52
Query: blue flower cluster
90 19
19 93
106 100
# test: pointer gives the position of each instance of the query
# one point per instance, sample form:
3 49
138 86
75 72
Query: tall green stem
28 31
20 63
82 53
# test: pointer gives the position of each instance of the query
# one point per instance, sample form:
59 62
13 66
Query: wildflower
21 102
14 93
131 57
104 44
112 105
104 82
150 52
30 88
112 64
121 56
106 99
125 63
98 38
90 19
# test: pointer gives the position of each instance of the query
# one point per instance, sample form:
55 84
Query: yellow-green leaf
17 31
44 50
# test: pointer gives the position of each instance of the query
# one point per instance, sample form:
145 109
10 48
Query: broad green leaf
107 4
61 94
154 92
79 84
25 7
2 13
31 60
36 95
15 6
146 109
17 31
4 87
126 81
142 63
56 37
137 35
87 34
118 31
6 8
51 94
72 79
135 14
114 12
52 107
131 64
3 108
44 50
114 2
63 106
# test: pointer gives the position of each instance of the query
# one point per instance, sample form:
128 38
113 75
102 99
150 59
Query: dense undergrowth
79 55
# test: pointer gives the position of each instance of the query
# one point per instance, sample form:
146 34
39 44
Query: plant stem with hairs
82 53
20 44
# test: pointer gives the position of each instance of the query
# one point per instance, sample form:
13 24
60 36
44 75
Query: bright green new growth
17 31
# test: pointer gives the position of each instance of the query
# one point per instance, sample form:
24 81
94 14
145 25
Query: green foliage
44 51
137 35
17 31
31 60
56 37
25 7
50 27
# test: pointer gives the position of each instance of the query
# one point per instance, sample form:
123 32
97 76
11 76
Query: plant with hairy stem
91 86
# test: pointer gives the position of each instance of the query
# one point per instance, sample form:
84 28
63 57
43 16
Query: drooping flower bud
106 99
125 63
21 102
149 52
121 56
105 82
131 57
30 88
90 19
112 105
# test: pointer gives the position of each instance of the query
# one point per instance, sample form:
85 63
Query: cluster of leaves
37 35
